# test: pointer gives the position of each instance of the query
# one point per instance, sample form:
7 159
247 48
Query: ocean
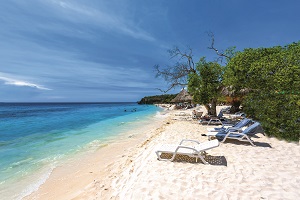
37 137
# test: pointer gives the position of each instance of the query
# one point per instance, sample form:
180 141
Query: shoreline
129 169
37 138
92 168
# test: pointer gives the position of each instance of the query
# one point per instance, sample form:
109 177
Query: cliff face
165 98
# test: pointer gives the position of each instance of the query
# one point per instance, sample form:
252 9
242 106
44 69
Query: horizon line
70 102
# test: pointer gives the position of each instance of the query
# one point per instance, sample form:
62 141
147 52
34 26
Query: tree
177 74
234 95
272 76
205 84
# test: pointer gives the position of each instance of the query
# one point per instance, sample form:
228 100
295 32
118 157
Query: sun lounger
197 115
211 121
244 135
238 115
197 151
225 127
182 114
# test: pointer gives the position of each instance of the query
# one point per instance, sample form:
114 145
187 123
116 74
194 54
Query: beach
129 169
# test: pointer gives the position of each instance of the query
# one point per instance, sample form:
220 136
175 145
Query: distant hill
165 98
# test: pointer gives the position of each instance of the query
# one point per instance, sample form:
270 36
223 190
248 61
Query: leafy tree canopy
273 77
205 84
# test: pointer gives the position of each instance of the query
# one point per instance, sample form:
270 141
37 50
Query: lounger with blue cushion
245 135
225 127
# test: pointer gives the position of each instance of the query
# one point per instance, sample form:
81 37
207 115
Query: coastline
129 169
90 173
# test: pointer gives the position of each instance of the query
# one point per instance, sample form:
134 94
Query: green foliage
166 98
273 77
230 53
277 113
205 83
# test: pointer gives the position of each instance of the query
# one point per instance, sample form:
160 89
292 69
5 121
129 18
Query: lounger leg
173 157
252 143
224 138
158 155
202 159
249 140
200 155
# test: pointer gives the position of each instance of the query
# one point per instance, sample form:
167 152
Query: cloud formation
77 50
100 17
20 83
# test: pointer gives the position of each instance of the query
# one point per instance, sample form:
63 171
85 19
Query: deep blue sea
34 137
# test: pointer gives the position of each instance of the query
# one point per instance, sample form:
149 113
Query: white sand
130 169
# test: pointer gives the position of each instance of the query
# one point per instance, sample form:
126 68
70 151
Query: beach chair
238 115
182 114
197 151
197 115
244 135
208 120
226 127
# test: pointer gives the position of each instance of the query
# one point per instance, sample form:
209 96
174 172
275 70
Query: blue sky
96 50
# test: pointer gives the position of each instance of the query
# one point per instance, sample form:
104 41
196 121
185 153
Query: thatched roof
229 91
183 96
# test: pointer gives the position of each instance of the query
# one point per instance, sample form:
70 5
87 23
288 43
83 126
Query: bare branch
177 74
171 87
212 47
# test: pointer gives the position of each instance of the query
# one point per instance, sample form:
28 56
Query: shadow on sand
258 144
212 160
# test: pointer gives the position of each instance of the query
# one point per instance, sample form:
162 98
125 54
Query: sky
105 50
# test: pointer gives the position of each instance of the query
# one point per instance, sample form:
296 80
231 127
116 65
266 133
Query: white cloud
106 20
10 81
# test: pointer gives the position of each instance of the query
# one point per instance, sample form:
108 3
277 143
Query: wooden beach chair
197 151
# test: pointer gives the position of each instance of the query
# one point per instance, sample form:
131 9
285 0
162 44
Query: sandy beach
129 169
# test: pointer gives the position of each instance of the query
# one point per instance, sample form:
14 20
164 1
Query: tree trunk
213 108
207 108
235 106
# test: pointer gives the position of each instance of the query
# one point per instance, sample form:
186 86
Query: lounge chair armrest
188 140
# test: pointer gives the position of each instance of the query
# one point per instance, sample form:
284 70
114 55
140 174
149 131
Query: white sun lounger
197 151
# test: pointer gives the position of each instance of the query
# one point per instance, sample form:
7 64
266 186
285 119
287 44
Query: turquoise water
34 137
